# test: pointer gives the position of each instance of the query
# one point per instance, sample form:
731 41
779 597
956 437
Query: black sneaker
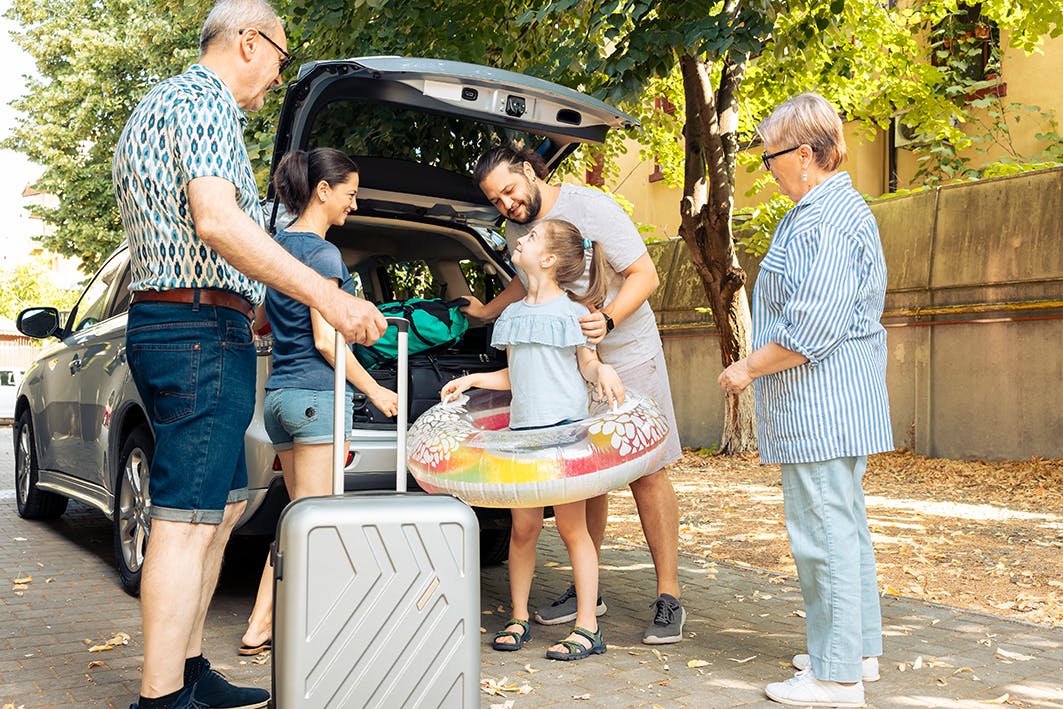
563 610
213 691
667 626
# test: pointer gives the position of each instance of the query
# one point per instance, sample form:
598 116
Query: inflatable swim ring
463 448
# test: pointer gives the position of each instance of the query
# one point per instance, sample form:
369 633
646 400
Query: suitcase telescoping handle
339 451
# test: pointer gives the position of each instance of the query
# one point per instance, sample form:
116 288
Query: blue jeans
831 544
194 367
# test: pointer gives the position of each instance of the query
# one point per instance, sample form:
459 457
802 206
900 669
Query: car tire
32 502
132 507
494 546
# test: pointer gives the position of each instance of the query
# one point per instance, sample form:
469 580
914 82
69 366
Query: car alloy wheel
132 508
32 502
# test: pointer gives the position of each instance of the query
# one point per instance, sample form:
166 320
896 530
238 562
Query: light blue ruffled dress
543 370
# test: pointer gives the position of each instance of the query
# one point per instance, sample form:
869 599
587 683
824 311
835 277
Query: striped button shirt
820 292
188 126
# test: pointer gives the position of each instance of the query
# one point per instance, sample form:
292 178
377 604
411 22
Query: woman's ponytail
292 182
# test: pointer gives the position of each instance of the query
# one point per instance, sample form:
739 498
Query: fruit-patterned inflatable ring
463 448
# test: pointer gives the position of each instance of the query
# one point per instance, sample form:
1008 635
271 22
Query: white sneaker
870 666
804 690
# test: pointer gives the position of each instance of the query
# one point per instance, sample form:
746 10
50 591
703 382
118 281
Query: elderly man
190 208
626 329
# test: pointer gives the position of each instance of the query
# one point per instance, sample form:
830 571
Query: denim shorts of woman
303 416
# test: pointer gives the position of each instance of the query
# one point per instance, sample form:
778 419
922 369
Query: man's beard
533 202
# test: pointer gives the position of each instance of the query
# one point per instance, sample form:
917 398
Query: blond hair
808 119
564 240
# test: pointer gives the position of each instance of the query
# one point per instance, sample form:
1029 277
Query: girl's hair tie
587 244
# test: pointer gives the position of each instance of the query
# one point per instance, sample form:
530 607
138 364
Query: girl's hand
593 325
385 400
736 378
453 389
610 388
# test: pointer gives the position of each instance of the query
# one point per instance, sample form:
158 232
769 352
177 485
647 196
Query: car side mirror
38 322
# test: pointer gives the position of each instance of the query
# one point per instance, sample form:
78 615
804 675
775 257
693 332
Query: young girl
321 187
548 353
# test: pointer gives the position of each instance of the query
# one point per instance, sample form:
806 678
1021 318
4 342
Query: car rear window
400 133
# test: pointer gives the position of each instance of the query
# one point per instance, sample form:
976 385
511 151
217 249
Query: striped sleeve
822 270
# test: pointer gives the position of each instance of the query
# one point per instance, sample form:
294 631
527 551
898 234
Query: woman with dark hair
321 186
819 375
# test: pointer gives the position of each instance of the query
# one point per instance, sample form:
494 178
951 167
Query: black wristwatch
609 324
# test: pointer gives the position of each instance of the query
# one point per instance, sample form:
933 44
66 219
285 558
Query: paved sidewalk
742 629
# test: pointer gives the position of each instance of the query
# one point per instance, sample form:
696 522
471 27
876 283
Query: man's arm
640 280
224 227
513 292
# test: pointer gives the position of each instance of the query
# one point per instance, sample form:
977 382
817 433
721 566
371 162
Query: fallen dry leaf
530 670
742 662
698 663
96 663
508 704
999 700
1006 655
101 648
24 579
581 697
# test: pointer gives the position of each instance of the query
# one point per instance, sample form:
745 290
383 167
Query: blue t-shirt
296 361
543 369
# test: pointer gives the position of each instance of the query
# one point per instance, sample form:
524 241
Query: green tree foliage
96 59
31 284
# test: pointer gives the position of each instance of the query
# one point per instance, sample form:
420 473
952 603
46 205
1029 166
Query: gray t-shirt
543 367
599 218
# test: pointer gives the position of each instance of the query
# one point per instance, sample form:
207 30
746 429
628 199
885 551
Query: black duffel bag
428 374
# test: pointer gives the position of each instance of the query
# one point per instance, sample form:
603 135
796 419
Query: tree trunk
708 201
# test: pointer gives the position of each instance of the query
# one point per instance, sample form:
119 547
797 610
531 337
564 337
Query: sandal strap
595 637
572 647
517 621
518 637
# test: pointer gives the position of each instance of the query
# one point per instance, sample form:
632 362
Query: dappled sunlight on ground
983 536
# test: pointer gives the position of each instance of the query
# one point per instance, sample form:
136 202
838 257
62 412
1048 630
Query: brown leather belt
204 296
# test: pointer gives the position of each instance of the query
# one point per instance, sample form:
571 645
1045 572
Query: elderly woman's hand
736 378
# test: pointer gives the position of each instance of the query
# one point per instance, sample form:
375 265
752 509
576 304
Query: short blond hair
808 119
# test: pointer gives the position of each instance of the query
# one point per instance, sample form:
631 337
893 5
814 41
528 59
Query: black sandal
577 650
518 638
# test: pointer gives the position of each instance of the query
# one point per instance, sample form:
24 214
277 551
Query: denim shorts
303 416
194 367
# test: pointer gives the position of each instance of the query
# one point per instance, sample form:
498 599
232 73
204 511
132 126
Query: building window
968 44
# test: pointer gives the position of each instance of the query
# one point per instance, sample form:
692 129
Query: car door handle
75 364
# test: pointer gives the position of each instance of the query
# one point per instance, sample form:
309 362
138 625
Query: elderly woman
819 375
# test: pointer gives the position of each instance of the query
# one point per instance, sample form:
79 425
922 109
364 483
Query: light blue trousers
831 544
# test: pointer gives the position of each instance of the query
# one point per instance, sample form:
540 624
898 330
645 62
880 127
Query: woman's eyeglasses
768 156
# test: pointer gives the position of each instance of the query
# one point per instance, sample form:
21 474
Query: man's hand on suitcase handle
359 320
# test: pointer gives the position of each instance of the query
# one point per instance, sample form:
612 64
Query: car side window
93 305
7 378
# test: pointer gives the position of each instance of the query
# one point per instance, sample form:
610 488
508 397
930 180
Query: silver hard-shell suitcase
376 595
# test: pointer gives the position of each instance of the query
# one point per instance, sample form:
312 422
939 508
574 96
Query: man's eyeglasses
286 58
768 156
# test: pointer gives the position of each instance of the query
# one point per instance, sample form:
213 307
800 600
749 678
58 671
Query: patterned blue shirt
820 292
188 126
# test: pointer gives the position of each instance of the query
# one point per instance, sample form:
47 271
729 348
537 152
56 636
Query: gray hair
228 17
808 119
